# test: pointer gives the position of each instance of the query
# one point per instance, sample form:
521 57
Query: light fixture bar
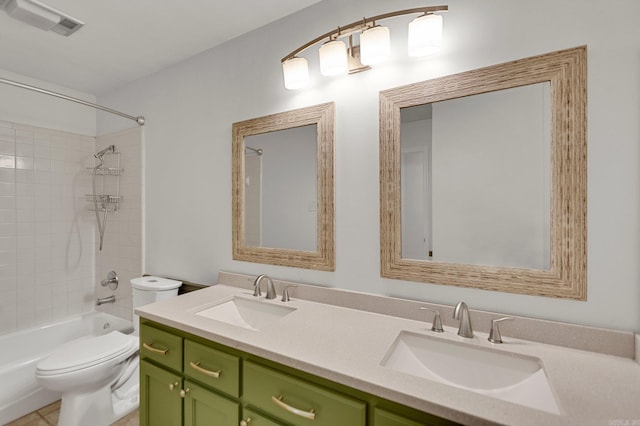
363 24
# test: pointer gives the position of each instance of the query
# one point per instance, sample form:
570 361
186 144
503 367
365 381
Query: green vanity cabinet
188 380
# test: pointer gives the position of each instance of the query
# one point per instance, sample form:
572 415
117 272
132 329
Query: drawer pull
311 415
196 366
148 347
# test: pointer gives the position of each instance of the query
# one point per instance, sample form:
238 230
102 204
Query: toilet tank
150 290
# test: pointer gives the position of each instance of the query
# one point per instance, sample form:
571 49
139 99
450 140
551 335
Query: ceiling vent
41 16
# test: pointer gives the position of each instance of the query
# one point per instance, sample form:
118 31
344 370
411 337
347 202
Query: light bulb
375 45
296 73
333 58
425 35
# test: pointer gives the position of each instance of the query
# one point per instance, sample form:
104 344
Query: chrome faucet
461 312
271 290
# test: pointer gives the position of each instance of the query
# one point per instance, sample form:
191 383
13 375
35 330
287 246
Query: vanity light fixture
336 58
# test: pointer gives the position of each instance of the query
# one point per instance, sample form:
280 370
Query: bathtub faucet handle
111 281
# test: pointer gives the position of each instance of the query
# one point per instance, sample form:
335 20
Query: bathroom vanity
223 356
186 379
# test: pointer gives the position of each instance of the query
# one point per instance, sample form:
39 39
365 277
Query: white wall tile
46 237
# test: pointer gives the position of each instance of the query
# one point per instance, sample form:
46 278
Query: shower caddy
107 202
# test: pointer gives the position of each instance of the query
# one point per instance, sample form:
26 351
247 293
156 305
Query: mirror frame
566 71
323 116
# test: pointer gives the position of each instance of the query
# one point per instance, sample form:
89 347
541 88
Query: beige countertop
347 346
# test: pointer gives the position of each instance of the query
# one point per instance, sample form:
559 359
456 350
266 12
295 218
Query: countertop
347 346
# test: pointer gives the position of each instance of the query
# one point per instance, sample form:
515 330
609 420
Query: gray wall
190 108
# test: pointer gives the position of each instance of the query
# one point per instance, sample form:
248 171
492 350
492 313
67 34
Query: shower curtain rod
139 119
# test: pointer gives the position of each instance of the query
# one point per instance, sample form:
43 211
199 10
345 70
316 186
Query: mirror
483 178
283 195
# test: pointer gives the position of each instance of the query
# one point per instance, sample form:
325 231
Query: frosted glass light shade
333 58
375 45
296 73
425 35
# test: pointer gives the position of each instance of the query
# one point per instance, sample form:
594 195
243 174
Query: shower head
107 150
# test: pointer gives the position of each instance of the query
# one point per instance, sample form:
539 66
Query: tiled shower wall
122 245
46 232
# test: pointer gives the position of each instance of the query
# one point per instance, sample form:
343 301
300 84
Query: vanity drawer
292 400
212 367
161 346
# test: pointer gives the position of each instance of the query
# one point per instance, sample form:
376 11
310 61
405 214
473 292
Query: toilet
98 376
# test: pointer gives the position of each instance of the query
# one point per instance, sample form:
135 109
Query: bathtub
21 351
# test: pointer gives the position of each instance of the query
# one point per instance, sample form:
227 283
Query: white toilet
98 375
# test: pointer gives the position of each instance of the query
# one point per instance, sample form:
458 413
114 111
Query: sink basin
246 313
510 377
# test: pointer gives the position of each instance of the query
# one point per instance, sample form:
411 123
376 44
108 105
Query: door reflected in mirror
281 212
475 175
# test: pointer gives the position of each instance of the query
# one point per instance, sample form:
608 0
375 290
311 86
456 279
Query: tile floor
48 416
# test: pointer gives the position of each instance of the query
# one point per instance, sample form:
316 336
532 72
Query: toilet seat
87 352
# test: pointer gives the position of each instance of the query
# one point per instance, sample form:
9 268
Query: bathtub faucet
103 300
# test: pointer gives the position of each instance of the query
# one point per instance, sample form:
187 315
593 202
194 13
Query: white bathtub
21 351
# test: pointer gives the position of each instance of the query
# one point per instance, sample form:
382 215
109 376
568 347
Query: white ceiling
123 40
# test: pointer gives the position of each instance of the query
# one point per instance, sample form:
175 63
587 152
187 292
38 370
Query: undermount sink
506 376
246 313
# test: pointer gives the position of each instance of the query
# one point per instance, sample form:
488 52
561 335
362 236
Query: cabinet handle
196 366
184 392
245 422
148 347
172 386
311 415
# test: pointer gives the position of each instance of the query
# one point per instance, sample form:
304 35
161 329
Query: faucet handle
494 334
285 293
437 322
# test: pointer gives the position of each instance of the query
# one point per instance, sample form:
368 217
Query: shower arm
139 119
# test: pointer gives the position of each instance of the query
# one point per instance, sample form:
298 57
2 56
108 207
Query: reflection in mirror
283 195
280 211
475 179
483 178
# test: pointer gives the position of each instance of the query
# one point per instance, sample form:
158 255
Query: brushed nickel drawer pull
311 415
196 366
148 347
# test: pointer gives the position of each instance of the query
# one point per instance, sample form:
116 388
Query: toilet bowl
98 376
85 370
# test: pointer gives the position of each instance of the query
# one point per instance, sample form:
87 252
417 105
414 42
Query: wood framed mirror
283 188
476 232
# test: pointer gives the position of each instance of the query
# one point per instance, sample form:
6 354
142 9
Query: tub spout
103 300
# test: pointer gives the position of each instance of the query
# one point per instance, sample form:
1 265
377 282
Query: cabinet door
203 407
160 402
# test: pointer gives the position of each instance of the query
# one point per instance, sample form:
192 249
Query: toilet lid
151 283
86 352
